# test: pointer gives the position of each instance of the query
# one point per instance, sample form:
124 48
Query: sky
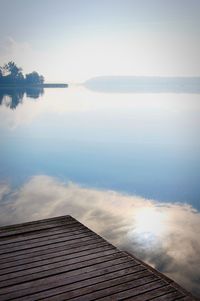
72 41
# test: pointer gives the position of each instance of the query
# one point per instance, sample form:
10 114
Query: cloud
4 190
13 50
23 54
164 235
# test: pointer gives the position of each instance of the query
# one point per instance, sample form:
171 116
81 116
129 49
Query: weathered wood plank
57 270
67 244
38 222
40 243
77 282
101 289
72 253
7 268
116 292
59 277
56 263
35 227
61 259
165 295
129 289
152 294
42 234
52 249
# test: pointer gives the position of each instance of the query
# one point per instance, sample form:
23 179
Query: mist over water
144 84
119 149
125 164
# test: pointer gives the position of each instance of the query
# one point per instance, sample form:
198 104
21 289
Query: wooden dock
61 259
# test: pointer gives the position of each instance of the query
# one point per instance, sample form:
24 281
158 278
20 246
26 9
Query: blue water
142 144
125 164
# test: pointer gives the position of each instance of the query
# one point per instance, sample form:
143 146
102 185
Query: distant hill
144 84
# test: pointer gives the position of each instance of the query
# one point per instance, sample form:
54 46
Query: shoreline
17 86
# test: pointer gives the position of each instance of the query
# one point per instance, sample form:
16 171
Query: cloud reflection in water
164 235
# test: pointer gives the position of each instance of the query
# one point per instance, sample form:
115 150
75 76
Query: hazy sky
73 40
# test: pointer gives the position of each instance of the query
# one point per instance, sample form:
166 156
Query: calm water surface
125 164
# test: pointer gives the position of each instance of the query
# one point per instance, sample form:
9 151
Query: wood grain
61 259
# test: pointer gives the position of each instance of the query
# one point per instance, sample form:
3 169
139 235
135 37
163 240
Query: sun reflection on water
164 235
149 225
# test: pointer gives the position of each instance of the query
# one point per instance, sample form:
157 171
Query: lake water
125 164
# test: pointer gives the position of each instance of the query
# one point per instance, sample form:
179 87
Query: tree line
11 74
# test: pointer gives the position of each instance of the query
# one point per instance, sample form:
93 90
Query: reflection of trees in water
34 92
16 95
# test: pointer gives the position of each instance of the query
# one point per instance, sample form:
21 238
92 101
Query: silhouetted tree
14 85
12 69
34 78
11 74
